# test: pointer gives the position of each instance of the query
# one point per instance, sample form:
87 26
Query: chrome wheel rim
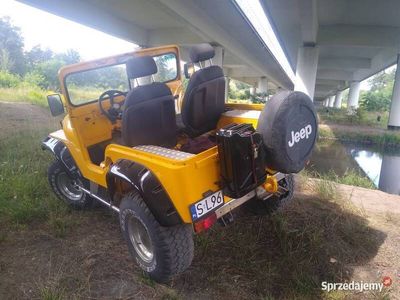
68 187
140 239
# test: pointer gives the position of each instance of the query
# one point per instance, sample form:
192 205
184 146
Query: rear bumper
234 203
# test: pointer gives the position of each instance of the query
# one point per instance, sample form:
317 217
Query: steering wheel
114 113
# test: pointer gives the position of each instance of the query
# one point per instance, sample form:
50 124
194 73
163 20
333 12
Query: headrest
141 66
201 52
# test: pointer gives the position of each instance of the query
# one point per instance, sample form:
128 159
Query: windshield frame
116 63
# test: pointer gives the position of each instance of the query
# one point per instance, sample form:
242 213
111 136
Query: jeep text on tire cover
303 133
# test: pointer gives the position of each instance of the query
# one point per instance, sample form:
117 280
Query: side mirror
188 69
55 104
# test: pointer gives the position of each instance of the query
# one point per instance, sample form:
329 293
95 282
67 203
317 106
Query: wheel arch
62 154
143 180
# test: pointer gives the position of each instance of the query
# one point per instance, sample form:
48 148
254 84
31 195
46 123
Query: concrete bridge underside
151 23
331 44
350 40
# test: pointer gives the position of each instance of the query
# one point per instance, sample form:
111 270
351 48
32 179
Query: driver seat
149 110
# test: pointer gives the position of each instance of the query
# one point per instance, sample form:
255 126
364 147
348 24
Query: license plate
206 205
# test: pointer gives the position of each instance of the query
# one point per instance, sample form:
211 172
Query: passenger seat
204 99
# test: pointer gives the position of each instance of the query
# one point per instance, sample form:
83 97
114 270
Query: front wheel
161 252
66 188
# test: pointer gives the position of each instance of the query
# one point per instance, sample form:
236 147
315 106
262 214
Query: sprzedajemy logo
358 286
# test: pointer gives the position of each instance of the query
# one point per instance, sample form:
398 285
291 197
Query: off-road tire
172 247
54 172
263 207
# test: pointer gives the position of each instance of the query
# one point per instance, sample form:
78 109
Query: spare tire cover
288 125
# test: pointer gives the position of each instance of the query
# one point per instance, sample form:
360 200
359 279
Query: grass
25 195
369 120
51 294
390 139
61 222
38 96
32 95
289 254
24 192
325 189
351 177
83 95
365 118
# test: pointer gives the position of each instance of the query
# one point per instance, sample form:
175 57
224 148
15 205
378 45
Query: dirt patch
255 257
92 262
15 116
382 211
285 255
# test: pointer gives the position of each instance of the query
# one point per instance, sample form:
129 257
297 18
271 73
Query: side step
108 204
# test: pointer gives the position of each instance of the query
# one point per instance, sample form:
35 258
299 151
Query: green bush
377 100
24 93
259 98
34 78
8 80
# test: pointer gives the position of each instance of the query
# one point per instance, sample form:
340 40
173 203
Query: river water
380 165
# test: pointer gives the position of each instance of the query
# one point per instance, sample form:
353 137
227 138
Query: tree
38 55
44 65
381 80
6 63
166 65
379 96
11 44
69 57
49 71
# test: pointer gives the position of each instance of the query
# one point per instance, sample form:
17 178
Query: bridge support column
326 102
338 99
331 100
227 81
263 86
388 179
354 94
306 70
394 115
218 58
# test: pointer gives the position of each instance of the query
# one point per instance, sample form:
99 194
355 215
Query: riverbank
382 213
360 134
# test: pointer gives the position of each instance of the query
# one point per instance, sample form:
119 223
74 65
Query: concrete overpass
331 44
185 22
335 44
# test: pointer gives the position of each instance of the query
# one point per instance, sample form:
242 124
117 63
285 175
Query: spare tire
288 125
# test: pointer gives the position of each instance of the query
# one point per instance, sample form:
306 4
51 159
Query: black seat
149 110
204 98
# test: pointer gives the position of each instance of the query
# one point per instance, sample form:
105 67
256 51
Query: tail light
206 223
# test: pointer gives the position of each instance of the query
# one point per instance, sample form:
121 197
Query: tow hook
226 220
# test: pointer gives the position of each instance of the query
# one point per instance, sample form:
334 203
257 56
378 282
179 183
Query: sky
260 21
58 34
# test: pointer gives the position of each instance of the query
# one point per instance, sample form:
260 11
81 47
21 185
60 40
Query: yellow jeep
172 163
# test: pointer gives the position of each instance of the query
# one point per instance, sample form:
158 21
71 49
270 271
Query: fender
148 186
62 154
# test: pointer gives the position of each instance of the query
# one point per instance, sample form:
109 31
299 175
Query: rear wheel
66 188
161 252
274 203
